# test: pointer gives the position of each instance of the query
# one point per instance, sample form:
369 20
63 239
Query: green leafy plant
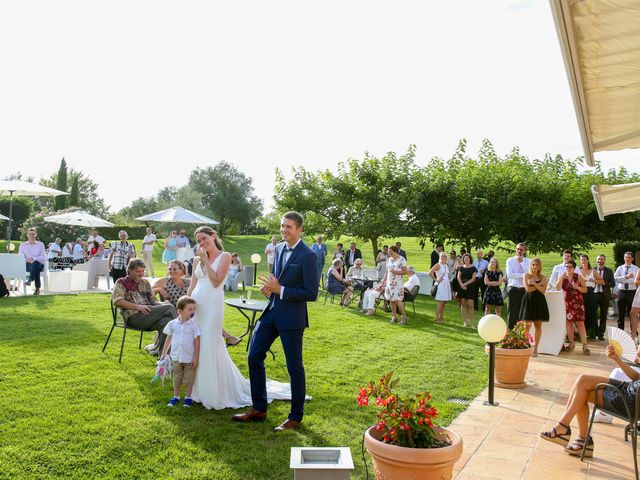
517 338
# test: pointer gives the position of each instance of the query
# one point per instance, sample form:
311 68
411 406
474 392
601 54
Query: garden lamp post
255 259
492 329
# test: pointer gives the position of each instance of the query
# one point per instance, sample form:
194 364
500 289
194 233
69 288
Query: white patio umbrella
79 218
177 215
20 188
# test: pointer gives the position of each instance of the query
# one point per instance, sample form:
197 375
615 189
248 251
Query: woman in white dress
218 384
441 276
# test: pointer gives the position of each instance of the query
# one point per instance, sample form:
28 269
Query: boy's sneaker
187 402
173 402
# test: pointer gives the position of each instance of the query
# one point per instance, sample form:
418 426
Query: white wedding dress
219 384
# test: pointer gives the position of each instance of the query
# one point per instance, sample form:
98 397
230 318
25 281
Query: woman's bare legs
633 319
583 336
394 316
498 310
537 334
468 304
570 334
440 312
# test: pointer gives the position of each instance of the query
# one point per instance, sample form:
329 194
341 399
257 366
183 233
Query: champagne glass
242 298
249 296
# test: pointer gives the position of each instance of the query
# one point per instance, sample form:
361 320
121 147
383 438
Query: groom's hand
270 285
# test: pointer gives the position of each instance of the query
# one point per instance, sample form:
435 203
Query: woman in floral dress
574 286
392 281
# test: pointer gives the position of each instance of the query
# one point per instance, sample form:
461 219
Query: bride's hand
202 254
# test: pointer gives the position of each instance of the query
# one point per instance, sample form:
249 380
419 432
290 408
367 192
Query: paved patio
502 442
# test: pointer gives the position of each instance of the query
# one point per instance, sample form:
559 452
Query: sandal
585 350
575 448
394 320
555 437
568 347
403 322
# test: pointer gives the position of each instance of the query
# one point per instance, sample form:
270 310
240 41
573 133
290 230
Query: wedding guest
440 275
573 286
235 268
480 287
148 242
435 255
383 255
455 285
517 266
33 252
270 252
534 309
94 237
170 247
451 263
78 253
373 294
67 253
182 240
493 279
101 253
54 256
183 337
339 252
589 297
401 252
337 283
122 253
393 286
354 271
635 308
559 269
624 276
604 283
320 249
466 280
133 294
351 255
490 255
93 250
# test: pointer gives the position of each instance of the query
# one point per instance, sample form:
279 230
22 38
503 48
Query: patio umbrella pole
10 220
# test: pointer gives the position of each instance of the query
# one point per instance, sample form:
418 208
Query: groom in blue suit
293 283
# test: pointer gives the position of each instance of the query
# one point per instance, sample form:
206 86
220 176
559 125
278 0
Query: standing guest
435 255
78 254
170 247
490 254
370 296
235 267
493 280
590 308
455 285
336 281
55 254
320 249
574 286
604 283
624 276
383 255
401 252
635 308
270 252
182 240
148 242
122 253
392 281
481 266
351 255
534 308
440 275
559 269
452 264
33 252
133 294
466 280
94 237
339 252
517 266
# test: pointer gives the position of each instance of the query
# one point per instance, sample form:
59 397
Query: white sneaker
602 417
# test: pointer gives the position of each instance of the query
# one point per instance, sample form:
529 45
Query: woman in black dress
534 308
466 281
493 279
578 405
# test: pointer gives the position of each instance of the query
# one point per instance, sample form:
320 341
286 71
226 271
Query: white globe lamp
492 329
255 259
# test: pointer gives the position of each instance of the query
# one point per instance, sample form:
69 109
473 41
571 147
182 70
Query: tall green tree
88 197
61 184
73 195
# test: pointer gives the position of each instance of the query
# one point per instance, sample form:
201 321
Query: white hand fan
622 343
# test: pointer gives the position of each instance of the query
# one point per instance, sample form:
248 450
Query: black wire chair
411 297
119 321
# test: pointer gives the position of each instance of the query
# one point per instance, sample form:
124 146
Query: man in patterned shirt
121 253
133 294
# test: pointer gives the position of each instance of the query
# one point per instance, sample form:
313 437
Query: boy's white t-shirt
183 335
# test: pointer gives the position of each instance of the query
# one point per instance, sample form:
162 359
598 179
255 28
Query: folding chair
323 279
411 297
119 321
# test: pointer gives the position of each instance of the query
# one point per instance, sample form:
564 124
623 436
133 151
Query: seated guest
78 253
141 309
371 295
102 252
174 286
55 254
93 248
336 282
122 253
33 252
234 269
67 253
354 271
94 237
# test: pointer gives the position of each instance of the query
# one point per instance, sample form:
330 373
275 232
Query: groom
293 283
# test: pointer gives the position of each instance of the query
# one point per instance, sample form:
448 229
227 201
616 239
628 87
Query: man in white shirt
559 269
270 252
55 254
94 237
77 254
147 250
624 276
517 266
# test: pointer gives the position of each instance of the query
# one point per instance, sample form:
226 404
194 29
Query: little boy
183 336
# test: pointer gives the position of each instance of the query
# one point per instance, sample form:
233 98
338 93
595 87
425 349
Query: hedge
619 248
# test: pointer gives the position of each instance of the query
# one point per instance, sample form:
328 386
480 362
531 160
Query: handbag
434 290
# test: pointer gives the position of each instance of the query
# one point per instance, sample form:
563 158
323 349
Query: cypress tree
61 184
74 194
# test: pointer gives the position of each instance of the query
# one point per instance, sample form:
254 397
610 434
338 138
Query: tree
61 184
73 196
88 198
227 194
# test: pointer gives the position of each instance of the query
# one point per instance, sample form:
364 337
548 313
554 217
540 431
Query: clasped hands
270 284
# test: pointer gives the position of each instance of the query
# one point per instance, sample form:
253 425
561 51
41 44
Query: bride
218 384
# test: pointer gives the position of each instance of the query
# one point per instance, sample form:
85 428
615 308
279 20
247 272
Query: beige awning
612 199
600 42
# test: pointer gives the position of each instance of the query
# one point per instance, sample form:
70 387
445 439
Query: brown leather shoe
287 425
252 415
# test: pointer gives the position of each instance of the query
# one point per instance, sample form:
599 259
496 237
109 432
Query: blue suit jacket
299 277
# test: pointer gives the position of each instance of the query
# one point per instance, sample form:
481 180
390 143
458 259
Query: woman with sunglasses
574 286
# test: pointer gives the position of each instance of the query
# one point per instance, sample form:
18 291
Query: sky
138 94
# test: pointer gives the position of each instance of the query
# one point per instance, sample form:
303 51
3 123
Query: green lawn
70 411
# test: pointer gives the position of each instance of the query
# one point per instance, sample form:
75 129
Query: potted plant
405 443
512 357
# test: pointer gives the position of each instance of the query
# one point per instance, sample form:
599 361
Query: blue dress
333 284
168 255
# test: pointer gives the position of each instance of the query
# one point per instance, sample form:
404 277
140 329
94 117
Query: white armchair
95 268
14 266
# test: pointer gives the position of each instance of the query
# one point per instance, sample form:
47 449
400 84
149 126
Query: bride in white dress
218 384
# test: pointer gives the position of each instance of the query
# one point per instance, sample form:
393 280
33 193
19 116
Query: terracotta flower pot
511 366
391 462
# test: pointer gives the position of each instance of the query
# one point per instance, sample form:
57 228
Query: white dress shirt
411 282
183 335
556 273
625 283
516 271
